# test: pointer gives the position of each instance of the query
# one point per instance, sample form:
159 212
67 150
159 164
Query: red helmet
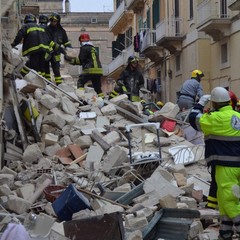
84 37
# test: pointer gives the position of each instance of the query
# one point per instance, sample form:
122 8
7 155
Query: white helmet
220 94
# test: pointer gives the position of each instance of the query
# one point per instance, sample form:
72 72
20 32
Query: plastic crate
69 202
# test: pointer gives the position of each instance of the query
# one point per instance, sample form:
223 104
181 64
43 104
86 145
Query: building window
129 37
224 53
190 9
156 12
93 20
178 63
223 9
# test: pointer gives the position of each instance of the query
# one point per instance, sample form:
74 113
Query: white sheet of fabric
15 231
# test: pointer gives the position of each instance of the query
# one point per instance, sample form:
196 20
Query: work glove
67 58
204 100
62 50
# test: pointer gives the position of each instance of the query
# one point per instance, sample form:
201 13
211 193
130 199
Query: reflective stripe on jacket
222 136
34 39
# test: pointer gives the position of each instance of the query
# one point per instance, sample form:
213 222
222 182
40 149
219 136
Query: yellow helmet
160 104
197 73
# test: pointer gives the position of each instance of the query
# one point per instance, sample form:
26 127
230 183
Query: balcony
149 47
169 34
120 19
135 5
213 20
234 5
119 63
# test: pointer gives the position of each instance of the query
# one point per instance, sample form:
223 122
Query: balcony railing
118 13
208 10
169 28
121 59
149 39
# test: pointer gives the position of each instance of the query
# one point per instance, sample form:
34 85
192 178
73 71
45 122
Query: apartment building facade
177 37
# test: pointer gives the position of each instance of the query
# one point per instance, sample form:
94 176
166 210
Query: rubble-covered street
81 167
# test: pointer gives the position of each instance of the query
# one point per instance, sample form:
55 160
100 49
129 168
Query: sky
91 5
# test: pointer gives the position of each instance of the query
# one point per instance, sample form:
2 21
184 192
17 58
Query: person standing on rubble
59 38
221 128
88 58
35 45
190 91
130 81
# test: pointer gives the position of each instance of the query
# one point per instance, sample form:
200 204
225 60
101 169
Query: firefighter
190 91
221 128
43 20
91 66
130 81
35 44
59 38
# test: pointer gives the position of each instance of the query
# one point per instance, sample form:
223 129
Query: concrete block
84 141
68 106
168 201
50 139
94 157
191 202
195 228
26 191
5 190
112 137
32 153
6 179
135 223
17 204
119 99
180 179
109 110
49 102
54 120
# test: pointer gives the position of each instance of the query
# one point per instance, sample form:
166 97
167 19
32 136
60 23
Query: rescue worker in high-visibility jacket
35 45
59 38
221 128
130 81
88 58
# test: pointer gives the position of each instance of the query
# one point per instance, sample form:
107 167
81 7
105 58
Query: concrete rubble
86 148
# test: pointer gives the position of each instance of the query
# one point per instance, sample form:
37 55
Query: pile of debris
81 167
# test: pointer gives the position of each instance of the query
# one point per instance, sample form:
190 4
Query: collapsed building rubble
76 168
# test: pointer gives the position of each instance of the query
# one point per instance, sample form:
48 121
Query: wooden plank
97 136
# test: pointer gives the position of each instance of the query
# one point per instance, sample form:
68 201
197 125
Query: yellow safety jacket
222 136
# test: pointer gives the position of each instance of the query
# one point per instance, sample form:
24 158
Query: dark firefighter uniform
91 66
35 45
131 80
221 129
58 37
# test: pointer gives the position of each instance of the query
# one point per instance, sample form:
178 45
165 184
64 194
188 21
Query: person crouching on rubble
221 129
191 91
130 81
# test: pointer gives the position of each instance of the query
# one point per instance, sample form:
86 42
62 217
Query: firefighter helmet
197 73
30 18
160 104
219 95
55 16
132 59
43 19
84 37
